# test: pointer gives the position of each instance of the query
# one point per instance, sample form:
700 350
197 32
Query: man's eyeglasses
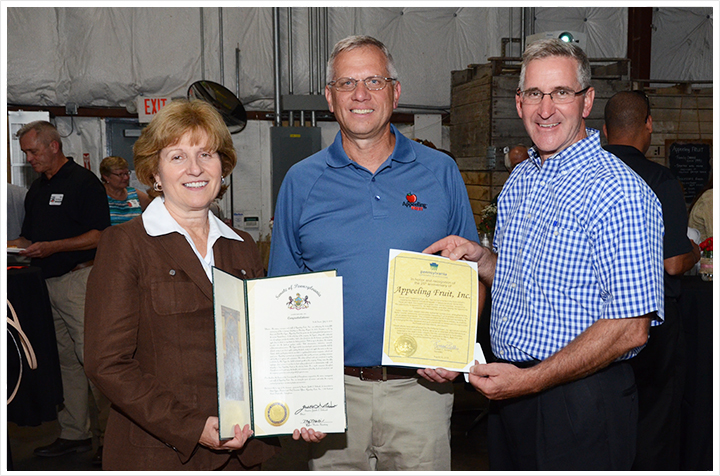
373 83
120 174
647 102
558 96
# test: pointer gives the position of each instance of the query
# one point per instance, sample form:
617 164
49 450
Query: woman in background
149 327
125 202
701 211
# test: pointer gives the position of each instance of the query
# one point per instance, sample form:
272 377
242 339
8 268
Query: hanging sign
148 106
690 163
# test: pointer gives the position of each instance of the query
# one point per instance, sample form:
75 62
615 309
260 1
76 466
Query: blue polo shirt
332 213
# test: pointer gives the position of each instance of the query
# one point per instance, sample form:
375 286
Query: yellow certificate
431 312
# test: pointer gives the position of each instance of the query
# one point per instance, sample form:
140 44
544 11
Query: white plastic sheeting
100 56
682 44
606 28
109 56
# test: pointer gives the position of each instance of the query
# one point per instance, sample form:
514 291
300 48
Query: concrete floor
469 449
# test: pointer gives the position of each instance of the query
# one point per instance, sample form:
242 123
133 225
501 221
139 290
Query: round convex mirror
229 106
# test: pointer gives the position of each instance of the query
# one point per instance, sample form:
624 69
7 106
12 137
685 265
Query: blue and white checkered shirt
579 238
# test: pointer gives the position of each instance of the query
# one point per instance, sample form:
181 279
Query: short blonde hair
111 163
169 125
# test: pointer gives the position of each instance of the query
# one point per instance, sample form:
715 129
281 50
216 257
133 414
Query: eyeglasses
120 174
647 102
558 96
373 83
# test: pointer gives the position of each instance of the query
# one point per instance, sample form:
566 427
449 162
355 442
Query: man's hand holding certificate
431 312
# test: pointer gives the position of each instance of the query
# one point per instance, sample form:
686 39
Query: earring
222 181
157 187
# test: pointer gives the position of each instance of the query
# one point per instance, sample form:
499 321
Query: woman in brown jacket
149 331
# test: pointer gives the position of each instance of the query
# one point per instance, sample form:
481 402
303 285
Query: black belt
380 373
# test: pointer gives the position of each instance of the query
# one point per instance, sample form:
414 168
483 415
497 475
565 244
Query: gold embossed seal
405 345
277 413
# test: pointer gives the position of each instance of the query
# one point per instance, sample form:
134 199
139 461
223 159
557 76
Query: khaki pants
397 425
67 299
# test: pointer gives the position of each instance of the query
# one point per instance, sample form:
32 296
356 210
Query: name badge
133 203
56 199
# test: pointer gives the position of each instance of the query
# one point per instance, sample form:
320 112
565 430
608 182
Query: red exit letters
153 105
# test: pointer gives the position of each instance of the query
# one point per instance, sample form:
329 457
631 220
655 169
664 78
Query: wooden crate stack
469 130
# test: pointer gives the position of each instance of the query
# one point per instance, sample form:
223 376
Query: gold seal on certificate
431 312
405 346
277 413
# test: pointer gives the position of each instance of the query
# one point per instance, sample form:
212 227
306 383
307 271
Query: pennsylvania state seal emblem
297 303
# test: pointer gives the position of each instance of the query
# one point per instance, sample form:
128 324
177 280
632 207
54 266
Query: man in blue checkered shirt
577 280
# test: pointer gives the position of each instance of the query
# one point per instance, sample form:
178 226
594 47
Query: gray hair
353 42
555 47
46 132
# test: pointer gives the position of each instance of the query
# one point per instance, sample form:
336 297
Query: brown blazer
150 348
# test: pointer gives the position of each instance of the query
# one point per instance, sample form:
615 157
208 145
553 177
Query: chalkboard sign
690 163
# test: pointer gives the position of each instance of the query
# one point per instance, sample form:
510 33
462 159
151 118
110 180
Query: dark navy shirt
71 203
668 190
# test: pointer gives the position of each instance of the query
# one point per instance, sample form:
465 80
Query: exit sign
148 106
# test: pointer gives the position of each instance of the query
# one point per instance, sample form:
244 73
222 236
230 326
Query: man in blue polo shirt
577 280
344 208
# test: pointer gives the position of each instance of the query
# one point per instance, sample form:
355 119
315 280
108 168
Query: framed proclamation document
431 312
279 353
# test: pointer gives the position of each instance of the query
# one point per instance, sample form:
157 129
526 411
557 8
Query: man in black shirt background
660 367
66 209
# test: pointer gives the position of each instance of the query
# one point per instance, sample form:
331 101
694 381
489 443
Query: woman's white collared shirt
158 221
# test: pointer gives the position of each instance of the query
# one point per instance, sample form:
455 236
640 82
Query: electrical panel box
289 145
121 135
